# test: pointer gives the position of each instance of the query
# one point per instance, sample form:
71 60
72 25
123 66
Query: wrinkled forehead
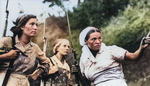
95 34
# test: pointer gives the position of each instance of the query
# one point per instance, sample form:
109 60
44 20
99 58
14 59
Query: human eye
68 46
99 38
64 45
37 24
32 23
93 39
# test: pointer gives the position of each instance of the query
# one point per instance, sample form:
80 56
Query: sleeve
43 60
118 53
1 42
5 44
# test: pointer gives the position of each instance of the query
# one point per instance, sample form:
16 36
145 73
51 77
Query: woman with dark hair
99 63
59 72
25 53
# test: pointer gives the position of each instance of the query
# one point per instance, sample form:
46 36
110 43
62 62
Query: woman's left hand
36 74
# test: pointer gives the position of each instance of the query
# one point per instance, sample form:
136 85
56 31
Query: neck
94 52
60 57
24 40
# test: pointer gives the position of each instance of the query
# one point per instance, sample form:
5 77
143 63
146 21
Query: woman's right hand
12 54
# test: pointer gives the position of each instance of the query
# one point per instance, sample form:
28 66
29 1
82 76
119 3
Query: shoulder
115 48
117 52
6 40
36 48
34 45
53 57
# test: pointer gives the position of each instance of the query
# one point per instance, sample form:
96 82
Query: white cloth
117 82
93 67
83 35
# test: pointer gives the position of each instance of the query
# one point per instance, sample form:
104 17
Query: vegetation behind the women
123 23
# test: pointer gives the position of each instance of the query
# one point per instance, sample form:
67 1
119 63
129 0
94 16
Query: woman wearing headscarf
25 53
99 63
59 72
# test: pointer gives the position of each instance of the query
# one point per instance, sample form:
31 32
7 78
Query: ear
22 28
85 41
57 48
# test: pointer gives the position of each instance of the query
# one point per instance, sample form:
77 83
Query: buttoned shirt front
24 63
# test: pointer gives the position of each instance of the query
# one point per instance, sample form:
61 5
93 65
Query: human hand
53 69
147 40
35 74
12 54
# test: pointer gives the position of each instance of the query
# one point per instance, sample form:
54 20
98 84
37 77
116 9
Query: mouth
66 51
98 46
33 32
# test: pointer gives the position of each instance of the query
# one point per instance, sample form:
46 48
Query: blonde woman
59 72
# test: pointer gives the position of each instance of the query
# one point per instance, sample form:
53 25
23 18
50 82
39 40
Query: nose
35 26
98 40
67 48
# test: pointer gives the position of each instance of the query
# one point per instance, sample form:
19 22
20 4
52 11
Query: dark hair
20 22
91 31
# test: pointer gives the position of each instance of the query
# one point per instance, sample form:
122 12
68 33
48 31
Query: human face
94 41
64 48
30 27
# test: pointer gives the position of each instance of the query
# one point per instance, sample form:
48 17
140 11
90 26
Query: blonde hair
57 43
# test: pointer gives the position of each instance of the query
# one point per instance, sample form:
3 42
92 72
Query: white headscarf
83 35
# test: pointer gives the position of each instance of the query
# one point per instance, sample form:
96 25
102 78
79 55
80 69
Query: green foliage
95 13
128 31
138 3
123 23
75 42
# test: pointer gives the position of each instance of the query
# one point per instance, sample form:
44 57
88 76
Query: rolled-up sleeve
43 60
117 52
5 42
